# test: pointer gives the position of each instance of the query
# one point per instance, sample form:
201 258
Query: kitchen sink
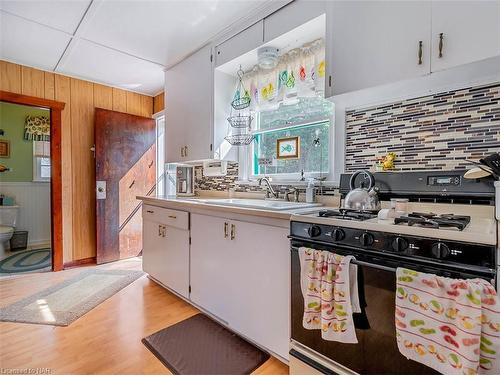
275 205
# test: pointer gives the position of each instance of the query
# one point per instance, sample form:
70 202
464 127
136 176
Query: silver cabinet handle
185 150
182 152
226 225
233 231
150 212
172 216
162 230
441 37
420 52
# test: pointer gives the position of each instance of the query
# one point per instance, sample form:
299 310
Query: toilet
8 218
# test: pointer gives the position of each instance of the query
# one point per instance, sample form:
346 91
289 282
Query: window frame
246 156
37 165
160 153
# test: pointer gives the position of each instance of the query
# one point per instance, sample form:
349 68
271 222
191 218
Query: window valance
299 73
37 128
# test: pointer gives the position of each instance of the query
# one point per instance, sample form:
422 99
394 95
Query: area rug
27 261
199 345
63 303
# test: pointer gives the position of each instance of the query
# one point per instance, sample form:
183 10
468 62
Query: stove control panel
402 245
443 180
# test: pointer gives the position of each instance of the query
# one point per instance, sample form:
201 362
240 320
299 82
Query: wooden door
125 156
471 32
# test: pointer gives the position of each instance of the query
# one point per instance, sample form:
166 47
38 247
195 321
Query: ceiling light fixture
267 57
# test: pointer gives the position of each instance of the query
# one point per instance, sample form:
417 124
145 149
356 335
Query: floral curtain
299 73
37 128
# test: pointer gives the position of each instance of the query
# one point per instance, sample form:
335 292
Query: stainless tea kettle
361 198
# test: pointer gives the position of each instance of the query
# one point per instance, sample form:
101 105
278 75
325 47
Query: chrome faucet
269 191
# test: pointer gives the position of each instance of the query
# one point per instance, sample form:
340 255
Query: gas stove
431 220
460 239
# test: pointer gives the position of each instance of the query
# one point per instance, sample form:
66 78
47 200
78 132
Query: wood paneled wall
81 97
159 103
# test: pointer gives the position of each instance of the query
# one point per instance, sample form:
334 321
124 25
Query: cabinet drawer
174 218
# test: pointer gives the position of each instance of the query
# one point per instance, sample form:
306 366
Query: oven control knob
366 239
440 250
314 231
399 244
338 234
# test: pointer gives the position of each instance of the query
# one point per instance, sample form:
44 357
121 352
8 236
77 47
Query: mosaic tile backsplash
431 132
224 183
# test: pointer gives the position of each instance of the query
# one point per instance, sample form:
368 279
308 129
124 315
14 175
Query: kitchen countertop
192 203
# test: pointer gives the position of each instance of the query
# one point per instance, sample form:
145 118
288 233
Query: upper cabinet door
470 32
188 114
291 16
373 43
243 42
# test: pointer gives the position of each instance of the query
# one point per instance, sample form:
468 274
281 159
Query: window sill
254 182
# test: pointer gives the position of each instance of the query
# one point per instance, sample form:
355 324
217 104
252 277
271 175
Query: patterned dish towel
450 325
330 290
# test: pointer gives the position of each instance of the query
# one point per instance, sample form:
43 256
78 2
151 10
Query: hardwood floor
106 340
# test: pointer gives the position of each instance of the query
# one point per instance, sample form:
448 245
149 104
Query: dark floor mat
200 346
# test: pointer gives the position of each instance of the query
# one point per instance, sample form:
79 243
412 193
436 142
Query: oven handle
461 275
361 263
373 265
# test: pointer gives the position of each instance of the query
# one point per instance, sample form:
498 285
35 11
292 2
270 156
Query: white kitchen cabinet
373 43
188 112
291 16
165 254
262 283
243 42
211 264
240 273
470 32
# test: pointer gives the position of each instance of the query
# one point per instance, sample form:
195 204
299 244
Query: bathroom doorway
25 211
30 184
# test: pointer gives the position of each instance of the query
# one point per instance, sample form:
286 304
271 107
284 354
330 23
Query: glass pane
45 172
45 161
314 150
304 110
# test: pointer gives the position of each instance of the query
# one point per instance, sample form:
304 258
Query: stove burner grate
346 214
436 221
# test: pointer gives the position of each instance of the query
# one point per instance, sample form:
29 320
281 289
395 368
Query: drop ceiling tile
162 31
29 43
62 15
100 64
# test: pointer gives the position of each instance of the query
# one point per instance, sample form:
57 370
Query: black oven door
376 351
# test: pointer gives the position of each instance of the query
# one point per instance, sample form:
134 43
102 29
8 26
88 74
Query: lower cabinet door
166 256
261 285
211 273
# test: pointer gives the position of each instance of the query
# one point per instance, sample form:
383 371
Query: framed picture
4 149
288 148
